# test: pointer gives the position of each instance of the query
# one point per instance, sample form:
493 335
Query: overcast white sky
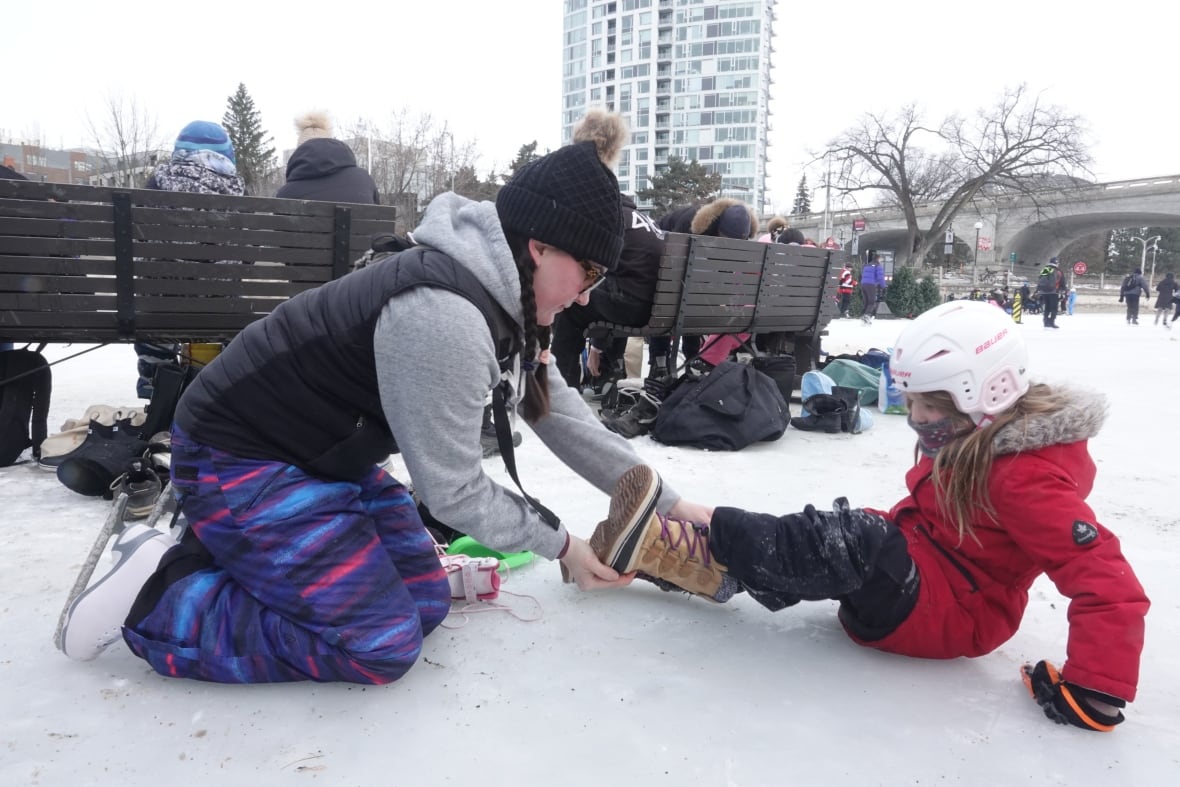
492 70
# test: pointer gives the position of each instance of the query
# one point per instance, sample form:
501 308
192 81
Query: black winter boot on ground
824 414
851 415
638 420
92 468
604 388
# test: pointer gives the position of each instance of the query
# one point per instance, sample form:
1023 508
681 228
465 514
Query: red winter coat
972 595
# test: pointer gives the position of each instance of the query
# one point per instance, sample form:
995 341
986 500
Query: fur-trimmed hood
1080 419
776 225
708 215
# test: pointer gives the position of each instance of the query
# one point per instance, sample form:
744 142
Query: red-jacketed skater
845 289
997 497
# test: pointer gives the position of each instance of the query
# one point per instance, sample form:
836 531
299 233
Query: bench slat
29 190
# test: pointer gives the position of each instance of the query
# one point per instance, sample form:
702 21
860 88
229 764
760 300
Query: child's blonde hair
962 468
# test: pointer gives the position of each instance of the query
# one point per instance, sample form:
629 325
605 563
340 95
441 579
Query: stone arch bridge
1033 229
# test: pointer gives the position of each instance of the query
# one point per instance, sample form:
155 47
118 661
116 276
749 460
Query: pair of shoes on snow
836 412
92 467
56 447
636 420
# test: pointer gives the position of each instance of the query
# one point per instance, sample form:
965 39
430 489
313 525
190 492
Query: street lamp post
1152 241
975 263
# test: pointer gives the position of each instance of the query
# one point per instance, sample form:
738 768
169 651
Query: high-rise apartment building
692 77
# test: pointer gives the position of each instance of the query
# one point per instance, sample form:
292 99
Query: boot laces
694 537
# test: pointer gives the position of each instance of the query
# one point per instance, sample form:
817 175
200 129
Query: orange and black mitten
1066 703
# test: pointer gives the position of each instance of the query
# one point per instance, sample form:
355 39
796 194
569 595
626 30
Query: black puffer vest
300 385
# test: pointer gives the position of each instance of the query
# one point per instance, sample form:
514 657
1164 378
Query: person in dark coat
626 296
1132 285
323 168
1163 304
721 218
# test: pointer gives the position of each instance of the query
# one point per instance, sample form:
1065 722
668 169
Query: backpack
729 408
1128 285
25 388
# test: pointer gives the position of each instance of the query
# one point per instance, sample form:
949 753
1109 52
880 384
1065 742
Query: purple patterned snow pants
284 576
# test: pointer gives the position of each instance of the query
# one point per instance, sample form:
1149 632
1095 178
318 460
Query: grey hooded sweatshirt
436 409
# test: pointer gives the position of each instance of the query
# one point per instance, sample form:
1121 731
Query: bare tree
1013 148
412 159
126 140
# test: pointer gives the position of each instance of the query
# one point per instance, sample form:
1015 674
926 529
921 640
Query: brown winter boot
635 537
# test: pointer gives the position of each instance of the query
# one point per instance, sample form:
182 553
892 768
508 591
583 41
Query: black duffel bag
726 410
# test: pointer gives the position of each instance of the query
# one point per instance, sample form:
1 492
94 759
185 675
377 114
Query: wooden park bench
720 285
96 265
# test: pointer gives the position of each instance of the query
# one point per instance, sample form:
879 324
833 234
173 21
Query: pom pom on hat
570 198
313 125
204 135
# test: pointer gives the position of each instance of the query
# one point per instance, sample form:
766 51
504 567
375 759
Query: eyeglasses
595 275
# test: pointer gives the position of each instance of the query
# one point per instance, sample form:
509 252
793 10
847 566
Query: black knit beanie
568 199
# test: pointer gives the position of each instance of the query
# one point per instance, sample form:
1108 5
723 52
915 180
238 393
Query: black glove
1066 703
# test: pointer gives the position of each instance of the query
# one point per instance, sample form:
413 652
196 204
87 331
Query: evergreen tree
526 154
802 198
682 183
907 296
252 147
469 184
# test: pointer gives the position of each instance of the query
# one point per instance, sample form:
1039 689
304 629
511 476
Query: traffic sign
858 225
1011 256
1079 268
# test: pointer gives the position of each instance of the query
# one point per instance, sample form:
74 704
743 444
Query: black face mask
934 435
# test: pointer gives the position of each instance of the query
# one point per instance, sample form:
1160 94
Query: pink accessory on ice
472 578
718 347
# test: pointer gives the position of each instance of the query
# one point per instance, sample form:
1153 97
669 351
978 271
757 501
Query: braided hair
536 337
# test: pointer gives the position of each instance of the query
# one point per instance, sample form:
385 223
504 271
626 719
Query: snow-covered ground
634 686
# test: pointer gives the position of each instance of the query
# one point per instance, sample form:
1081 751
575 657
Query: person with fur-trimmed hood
774 228
303 559
324 168
721 218
996 498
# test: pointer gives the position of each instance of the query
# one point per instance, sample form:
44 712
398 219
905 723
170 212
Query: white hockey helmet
970 349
